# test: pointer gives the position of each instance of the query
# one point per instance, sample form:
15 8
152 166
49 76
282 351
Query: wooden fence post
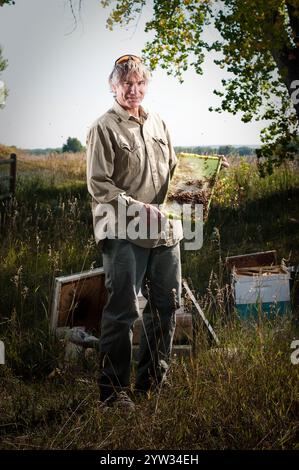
13 173
12 162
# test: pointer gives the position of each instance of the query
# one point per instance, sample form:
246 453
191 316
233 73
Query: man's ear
112 87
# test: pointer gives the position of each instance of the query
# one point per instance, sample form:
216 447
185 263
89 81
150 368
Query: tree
227 150
258 45
3 63
245 151
3 89
72 145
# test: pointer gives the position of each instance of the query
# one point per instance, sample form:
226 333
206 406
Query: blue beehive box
265 292
259 285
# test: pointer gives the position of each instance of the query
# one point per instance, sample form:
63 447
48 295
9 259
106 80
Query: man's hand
224 162
153 213
152 217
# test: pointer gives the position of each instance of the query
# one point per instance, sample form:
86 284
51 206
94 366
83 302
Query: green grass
247 398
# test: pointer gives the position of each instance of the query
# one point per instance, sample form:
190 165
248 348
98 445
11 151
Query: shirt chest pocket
127 157
161 150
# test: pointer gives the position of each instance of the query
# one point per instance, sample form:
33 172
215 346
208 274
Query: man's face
130 92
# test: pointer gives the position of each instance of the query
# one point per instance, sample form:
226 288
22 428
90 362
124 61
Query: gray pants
157 272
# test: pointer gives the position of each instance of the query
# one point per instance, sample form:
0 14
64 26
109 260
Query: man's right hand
152 215
153 212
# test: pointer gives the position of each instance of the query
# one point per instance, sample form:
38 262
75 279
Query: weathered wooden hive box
79 300
183 335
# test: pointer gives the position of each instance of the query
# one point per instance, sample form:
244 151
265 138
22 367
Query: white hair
121 71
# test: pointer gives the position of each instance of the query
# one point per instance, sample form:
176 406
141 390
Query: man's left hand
224 162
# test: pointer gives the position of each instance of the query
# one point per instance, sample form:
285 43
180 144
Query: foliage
6 2
258 46
227 150
43 151
72 145
3 62
5 151
3 89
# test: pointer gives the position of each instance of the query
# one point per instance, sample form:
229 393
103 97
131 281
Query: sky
58 79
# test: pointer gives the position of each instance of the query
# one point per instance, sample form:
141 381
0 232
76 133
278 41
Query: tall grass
244 395
248 214
46 231
240 397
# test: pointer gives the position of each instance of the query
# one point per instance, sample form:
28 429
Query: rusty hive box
79 300
184 325
261 258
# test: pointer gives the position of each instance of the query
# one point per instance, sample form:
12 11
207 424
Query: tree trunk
288 65
287 58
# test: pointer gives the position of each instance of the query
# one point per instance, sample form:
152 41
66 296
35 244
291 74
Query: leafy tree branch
258 46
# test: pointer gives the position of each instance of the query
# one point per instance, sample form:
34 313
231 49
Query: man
130 161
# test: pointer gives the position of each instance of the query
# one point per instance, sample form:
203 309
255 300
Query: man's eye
142 82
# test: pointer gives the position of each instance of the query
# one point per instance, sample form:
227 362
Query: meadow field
245 397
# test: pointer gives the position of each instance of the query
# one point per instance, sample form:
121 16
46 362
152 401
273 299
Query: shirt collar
124 114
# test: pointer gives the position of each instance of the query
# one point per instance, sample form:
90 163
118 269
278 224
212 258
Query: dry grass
68 165
245 399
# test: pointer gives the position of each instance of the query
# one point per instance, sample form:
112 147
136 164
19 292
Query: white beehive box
268 292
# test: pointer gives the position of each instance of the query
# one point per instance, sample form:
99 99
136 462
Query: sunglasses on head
125 58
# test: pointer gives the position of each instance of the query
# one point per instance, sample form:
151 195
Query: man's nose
133 89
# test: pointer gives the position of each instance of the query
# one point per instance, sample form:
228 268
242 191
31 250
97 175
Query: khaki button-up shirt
129 161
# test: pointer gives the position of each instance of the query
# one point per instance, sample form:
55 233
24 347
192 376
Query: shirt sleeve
173 161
